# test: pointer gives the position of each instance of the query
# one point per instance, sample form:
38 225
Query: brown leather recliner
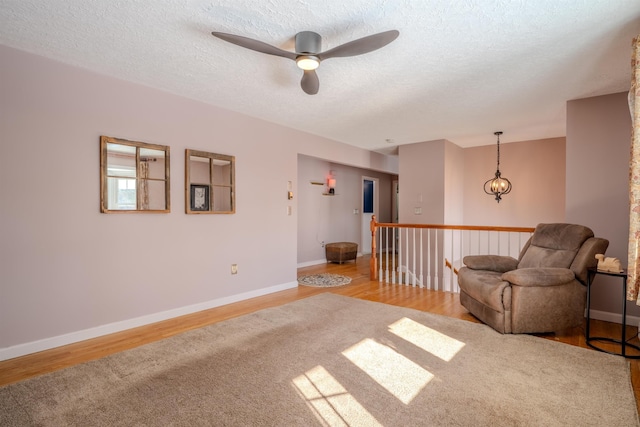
542 291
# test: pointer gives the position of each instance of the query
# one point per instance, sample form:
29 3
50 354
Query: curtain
144 185
633 280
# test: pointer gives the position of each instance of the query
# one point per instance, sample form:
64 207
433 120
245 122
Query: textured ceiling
460 69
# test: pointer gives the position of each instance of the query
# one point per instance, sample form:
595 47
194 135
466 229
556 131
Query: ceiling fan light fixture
307 62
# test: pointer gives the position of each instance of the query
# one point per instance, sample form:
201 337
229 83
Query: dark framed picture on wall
199 197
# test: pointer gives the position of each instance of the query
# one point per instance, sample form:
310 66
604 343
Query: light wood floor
443 303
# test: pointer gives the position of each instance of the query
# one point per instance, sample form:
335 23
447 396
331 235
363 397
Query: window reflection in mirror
134 176
210 183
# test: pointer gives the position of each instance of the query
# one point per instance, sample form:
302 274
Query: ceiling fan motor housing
308 42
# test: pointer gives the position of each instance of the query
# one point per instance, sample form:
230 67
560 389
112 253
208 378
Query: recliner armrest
541 276
498 263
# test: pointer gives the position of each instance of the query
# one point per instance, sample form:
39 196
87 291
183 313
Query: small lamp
331 183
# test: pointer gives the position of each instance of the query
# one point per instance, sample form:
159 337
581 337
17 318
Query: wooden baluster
436 259
393 254
421 278
406 258
386 263
373 262
428 258
400 255
413 267
381 258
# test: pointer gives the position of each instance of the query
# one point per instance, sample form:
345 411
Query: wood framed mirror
134 177
209 183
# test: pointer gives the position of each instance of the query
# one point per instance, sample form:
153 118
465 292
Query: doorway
369 208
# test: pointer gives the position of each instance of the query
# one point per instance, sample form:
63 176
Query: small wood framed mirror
134 177
209 183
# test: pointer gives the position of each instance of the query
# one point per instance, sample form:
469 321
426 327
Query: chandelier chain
498 156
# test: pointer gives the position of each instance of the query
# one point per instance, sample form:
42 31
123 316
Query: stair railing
429 255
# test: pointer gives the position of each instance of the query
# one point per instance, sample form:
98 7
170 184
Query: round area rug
324 280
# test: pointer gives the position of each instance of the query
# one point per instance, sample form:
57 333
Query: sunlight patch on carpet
399 375
331 402
430 340
324 280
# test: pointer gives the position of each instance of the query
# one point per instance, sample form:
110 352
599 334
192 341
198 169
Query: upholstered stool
341 251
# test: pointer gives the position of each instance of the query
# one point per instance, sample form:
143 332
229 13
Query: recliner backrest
554 245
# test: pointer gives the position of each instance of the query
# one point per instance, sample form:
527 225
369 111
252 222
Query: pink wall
454 193
598 150
69 272
536 170
422 182
446 183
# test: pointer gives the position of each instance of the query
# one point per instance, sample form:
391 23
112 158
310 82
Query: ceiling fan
308 55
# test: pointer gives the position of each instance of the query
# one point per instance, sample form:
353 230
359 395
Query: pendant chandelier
497 186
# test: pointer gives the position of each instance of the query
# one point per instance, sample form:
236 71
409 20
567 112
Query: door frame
365 237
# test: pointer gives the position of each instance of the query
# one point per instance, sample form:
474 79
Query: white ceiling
460 69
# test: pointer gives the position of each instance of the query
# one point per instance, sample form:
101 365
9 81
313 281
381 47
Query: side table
622 342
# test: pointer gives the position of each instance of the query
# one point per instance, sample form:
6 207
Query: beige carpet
333 360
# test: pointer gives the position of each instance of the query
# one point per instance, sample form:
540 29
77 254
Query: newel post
373 262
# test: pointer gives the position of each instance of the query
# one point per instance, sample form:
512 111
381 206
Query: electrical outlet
234 268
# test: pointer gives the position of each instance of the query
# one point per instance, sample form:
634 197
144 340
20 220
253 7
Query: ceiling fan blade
360 46
310 82
256 45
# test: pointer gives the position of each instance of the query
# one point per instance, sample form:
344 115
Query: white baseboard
614 317
73 337
318 262
310 263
